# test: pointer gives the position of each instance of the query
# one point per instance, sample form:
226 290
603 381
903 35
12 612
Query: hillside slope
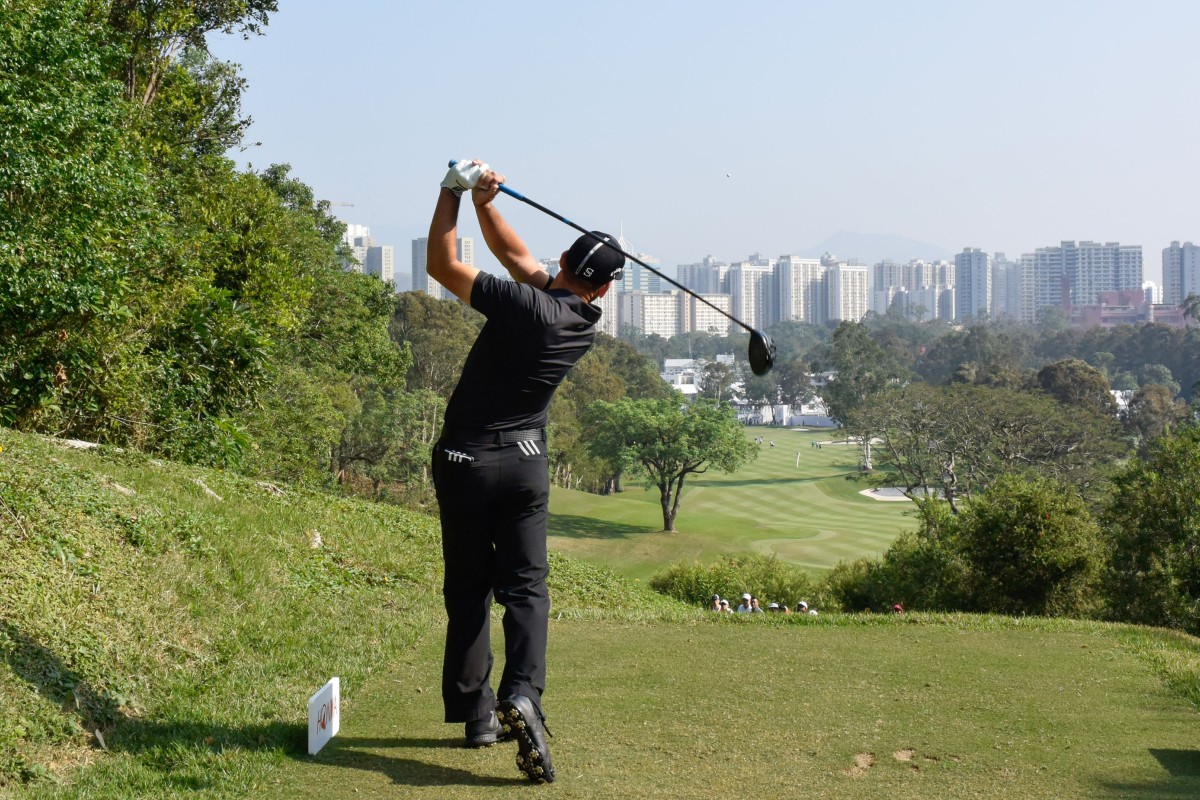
180 617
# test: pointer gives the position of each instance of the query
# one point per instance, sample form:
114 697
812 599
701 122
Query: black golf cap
593 260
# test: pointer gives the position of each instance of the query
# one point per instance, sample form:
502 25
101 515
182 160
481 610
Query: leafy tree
668 441
863 368
154 34
75 210
956 441
612 369
762 389
1153 520
793 381
440 334
1160 375
1031 547
1077 383
1154 411
1191 306
716 381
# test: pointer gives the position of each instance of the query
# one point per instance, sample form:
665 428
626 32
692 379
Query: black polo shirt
530 341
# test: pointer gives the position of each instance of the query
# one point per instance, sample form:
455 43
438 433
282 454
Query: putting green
796 501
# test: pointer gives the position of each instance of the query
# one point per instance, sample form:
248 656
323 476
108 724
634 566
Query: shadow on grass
54 679
576 527
160 746
1183 767
364 754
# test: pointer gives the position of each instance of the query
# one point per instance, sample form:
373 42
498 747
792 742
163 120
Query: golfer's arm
508 248
441 259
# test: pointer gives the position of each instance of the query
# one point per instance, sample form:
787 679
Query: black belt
500 437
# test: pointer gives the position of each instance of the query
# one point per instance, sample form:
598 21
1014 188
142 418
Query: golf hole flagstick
762 348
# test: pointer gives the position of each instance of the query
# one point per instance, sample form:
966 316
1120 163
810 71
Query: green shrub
765 577
1032 547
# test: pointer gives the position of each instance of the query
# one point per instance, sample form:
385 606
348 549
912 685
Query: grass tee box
796 501
905 708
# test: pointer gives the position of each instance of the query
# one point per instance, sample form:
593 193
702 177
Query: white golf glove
463 176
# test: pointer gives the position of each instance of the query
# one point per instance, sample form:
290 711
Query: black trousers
493 499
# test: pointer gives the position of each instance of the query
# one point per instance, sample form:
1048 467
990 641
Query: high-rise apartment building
847 292
380 262
421 282
707 277
800 289
1075 274
651 313
704 319
972 283
1181 272
750 289
1006 287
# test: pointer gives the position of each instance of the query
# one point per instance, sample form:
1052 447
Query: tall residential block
651 313
1071 275
847 292
1181 272
380 261
972 283
750 288
421 282
800 287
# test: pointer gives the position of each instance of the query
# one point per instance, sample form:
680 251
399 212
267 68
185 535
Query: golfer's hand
464 175
487 187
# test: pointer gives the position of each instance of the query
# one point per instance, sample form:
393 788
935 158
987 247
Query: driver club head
762 353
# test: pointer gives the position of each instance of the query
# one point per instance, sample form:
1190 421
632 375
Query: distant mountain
871 248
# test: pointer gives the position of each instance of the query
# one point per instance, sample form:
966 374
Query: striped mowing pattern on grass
795 500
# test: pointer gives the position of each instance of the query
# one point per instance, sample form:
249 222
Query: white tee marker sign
324 717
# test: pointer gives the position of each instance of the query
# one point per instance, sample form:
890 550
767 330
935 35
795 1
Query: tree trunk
664 491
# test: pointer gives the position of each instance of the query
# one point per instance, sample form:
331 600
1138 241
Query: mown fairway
809 514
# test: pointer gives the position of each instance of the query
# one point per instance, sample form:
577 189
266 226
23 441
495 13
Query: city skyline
708 128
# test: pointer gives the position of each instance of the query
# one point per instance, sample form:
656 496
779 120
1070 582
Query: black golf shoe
520 719
485 732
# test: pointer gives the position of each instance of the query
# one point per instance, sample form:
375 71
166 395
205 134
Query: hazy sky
1002 125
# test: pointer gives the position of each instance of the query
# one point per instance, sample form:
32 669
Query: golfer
490 467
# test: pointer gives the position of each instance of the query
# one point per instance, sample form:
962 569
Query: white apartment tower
702 318
1006 287
1181 272
421 282
750 290
972 283
800 288
651 313
707 277
847 291
1074 274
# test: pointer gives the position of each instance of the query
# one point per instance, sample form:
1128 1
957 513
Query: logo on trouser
457 457
529 448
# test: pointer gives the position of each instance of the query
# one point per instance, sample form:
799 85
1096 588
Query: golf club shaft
517 195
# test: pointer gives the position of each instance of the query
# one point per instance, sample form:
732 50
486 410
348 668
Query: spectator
744 608
773 608
754 606
725 609
784 608
716 603
897 609
801 607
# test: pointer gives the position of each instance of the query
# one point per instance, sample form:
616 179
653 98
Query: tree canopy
667 440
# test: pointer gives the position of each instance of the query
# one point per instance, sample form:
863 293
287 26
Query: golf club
762 349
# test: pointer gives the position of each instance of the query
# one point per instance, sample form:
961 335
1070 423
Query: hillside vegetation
161 627
178 617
